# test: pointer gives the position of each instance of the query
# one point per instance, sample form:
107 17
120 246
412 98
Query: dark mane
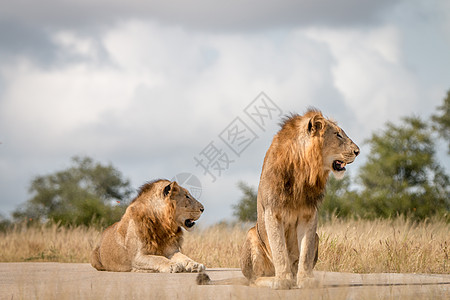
287 120
157 230
312 109
146 187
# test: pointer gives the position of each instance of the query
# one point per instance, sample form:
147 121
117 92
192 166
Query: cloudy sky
156 87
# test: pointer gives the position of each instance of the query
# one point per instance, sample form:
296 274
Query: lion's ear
171 188
167 190
316 124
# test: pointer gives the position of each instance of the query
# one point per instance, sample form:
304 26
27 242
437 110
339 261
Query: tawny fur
148 238
281 250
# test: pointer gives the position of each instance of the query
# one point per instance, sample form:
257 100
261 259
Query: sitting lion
149 235
281 250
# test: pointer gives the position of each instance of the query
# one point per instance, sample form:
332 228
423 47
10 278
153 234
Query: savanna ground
358 246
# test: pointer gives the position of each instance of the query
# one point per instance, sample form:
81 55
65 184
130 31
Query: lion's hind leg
95 259
316 246
254 261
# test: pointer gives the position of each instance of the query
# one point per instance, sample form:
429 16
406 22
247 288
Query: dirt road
81 281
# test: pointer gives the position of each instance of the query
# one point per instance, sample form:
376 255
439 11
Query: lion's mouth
189 223
339 165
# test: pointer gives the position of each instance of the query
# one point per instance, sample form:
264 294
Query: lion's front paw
176 268
193 266
172 268
275 283
307 282
283 284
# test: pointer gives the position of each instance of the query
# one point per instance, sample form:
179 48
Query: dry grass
216 246
47 243
398 246
345 246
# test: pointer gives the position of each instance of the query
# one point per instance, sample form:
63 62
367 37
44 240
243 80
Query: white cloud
60 100
165 94
370 74
76 45
148 97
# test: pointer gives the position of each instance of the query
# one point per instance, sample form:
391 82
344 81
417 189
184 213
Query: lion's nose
202 209
356 152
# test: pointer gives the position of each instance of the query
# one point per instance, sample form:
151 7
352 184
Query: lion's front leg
155 263
307 244
188 264
275 232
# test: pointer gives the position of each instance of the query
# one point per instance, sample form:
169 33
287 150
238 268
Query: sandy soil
81 281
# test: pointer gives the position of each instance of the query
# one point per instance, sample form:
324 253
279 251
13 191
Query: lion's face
338 149
187 209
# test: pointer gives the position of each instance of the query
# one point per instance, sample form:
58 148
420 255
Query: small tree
442 120
339 199
4 224
245 210
401 175
85 193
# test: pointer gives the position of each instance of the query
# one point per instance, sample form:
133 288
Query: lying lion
281 250
149 235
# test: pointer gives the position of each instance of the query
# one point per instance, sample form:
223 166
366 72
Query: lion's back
111 254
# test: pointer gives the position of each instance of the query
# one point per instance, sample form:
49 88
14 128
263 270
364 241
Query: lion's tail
203 279
95 259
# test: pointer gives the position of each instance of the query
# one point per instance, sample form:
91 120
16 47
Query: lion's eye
187 196
339 135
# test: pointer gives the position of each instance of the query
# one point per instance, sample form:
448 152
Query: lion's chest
159 243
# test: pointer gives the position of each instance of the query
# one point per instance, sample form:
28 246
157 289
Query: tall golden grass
47 243
359 246
398 246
